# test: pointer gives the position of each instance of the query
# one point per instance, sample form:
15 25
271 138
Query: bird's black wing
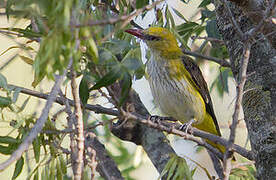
201 86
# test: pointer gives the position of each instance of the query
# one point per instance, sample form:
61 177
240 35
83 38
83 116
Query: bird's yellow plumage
176 82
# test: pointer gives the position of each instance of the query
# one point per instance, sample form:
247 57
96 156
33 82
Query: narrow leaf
18 168
27 60
36 148
3 82
126 85
8 140
5 101
108 79
84 90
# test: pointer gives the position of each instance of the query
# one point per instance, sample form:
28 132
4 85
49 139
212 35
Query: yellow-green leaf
27 60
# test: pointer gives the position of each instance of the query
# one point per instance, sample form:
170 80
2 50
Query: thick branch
106 165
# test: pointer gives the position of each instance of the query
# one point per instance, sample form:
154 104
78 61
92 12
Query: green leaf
92 50
179 14
3 82
212 30
5 150
204 3
172 169
106 57
170 16
166 168
18 168
90 44
132 64
36 176
84 90
221 81
185 30
108 79
16 92
62 165
8 140
116 46
126 85
5 101
206 13
27 60
22 107
36 148
59 171
186 27
52 169
141 3
28 33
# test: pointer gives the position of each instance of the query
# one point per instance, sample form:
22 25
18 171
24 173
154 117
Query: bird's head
159 40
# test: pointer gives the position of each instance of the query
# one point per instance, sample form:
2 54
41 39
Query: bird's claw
158 119
184 127
155 119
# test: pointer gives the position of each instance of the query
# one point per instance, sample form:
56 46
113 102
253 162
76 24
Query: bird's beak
136 32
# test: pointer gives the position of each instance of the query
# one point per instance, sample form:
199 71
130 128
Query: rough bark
153 141
106 166
255 10
259 102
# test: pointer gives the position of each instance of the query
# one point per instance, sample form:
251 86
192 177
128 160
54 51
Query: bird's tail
209 126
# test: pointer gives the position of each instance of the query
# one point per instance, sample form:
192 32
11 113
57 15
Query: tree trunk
259 102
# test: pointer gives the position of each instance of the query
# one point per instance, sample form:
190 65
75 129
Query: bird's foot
158 119
184 127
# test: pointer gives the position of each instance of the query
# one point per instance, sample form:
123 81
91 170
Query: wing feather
201 85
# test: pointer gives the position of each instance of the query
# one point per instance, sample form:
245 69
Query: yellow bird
176 82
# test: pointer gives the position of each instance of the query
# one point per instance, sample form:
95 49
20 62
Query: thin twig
79 127
95 108
70 122
38 125
242 79
221 62
173 128
208 39
125 18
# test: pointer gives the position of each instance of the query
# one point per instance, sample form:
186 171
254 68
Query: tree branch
221 62
106 166
79 127
38 125
260 12
238 106
95 108
173 128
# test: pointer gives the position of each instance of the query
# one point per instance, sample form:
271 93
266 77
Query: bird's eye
152 38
